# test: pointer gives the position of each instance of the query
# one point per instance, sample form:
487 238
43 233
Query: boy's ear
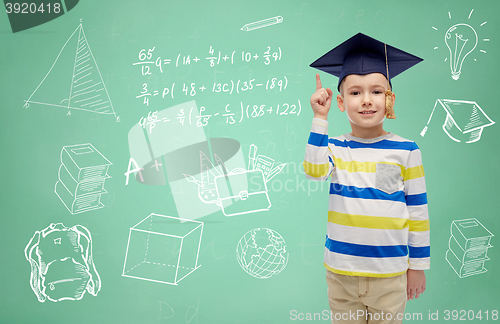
340 103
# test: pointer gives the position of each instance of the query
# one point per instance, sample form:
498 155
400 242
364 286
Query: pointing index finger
318 82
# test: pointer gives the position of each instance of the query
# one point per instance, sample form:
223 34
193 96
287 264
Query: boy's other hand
321 100
415 283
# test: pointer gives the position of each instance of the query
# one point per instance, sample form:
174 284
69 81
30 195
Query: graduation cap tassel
389 109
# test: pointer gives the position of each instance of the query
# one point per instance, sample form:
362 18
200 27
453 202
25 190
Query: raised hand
321 100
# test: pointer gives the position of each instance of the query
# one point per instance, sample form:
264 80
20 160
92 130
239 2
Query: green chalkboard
152 157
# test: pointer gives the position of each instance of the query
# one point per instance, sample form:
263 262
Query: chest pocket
387 177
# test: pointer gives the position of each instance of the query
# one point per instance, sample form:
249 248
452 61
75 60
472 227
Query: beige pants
356 300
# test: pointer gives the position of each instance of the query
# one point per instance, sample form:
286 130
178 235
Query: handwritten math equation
148 61
229 87
230 115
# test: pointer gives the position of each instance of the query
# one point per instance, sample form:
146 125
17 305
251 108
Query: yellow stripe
419 225
367 167
316 170
363 274
413 173
375 222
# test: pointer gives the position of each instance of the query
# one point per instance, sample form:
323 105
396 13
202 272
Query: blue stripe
365 193
331 161
384 144
369 251
318 139
420 252
416 200
331 169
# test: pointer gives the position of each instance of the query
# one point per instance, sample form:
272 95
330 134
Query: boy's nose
367 101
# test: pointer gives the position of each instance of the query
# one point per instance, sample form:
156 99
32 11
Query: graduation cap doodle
465 120
362 55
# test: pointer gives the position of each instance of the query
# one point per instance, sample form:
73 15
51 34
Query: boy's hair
341 86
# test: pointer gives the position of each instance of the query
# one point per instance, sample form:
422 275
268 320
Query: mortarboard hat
361 55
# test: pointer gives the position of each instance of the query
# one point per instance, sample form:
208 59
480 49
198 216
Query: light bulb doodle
461 40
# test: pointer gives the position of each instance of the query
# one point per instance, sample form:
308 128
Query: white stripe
418 212
420 263
362 264
398 138
414 159
367 236
368 207
370 155
360 179
319 129
317 155
419 239
414 186
316 178
320 122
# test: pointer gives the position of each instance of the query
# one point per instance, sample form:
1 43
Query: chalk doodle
147 59
240 191
81 178
74 81
163 249
468 247
262 253
465 120
262 23
461 40
62 266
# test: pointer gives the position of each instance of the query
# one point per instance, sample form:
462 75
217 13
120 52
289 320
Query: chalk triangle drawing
74 80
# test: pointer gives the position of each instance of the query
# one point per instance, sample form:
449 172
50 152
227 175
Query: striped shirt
378 223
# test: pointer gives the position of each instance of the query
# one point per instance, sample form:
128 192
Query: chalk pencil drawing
74 81
465 120
62 266
461 40
262 23
262 253
468 247
163 249
81 177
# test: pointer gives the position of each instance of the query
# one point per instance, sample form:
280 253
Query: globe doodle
261 252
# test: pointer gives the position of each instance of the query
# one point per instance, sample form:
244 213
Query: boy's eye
355 93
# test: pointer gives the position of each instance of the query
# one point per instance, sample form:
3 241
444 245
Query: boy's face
363 99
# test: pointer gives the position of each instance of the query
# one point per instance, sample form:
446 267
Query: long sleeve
416 201
318 162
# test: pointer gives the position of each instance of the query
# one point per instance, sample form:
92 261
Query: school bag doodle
62 267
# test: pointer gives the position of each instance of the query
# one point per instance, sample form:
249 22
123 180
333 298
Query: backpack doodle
61 261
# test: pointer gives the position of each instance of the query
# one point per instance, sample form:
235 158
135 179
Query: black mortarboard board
362 54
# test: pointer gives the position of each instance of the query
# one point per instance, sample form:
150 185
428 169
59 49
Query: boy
377 244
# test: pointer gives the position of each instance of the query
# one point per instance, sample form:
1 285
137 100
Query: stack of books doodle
468 247
82 174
